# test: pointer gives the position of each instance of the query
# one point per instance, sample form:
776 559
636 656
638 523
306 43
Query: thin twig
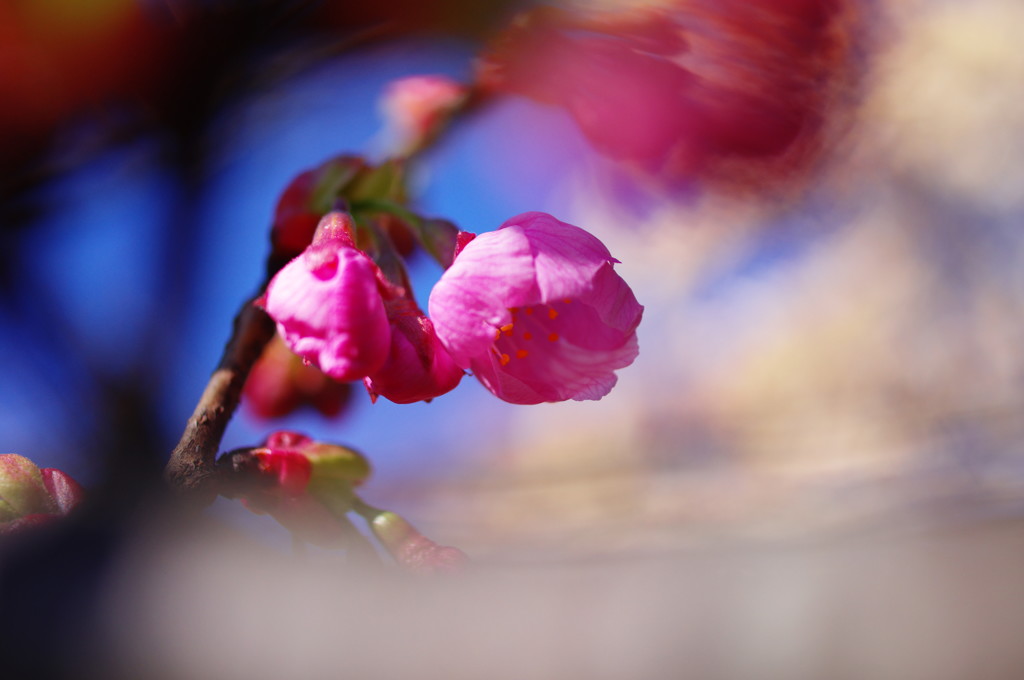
191 467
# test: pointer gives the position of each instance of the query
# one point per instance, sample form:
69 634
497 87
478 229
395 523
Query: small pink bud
30 496
328 461
335 228
22 489
289 469
416 107
536 311
413 550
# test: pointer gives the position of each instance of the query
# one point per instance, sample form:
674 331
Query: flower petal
329 311
537 312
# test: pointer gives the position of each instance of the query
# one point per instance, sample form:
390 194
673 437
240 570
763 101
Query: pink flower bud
306 485
290 470
30 496
329 310
413 550
327 462
418 367
416 107
536 311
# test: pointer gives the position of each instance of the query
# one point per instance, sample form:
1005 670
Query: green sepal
336 470
438 238
391 529
335 177
383 182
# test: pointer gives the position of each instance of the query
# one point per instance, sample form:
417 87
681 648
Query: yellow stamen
507 329
504 359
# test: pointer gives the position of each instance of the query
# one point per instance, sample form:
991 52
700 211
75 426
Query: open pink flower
418 367
537 312
328 307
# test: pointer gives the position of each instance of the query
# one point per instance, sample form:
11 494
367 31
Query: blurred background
814 467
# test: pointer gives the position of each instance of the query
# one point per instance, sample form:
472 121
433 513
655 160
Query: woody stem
191 468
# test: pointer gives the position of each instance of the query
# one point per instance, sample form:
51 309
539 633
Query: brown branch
191 469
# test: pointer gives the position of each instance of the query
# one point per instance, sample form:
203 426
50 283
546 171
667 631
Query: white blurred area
814 469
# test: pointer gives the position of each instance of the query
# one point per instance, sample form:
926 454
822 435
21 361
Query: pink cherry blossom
536 311
418 367
328 307
690 89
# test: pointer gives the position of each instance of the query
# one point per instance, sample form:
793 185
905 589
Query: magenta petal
418 367
329 311
493 272
537 312
566 258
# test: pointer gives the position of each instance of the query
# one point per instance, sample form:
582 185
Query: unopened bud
30 496
416 108
304 484
413 550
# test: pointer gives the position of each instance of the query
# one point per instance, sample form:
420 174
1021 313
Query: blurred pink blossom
306 485
416 107
690 89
